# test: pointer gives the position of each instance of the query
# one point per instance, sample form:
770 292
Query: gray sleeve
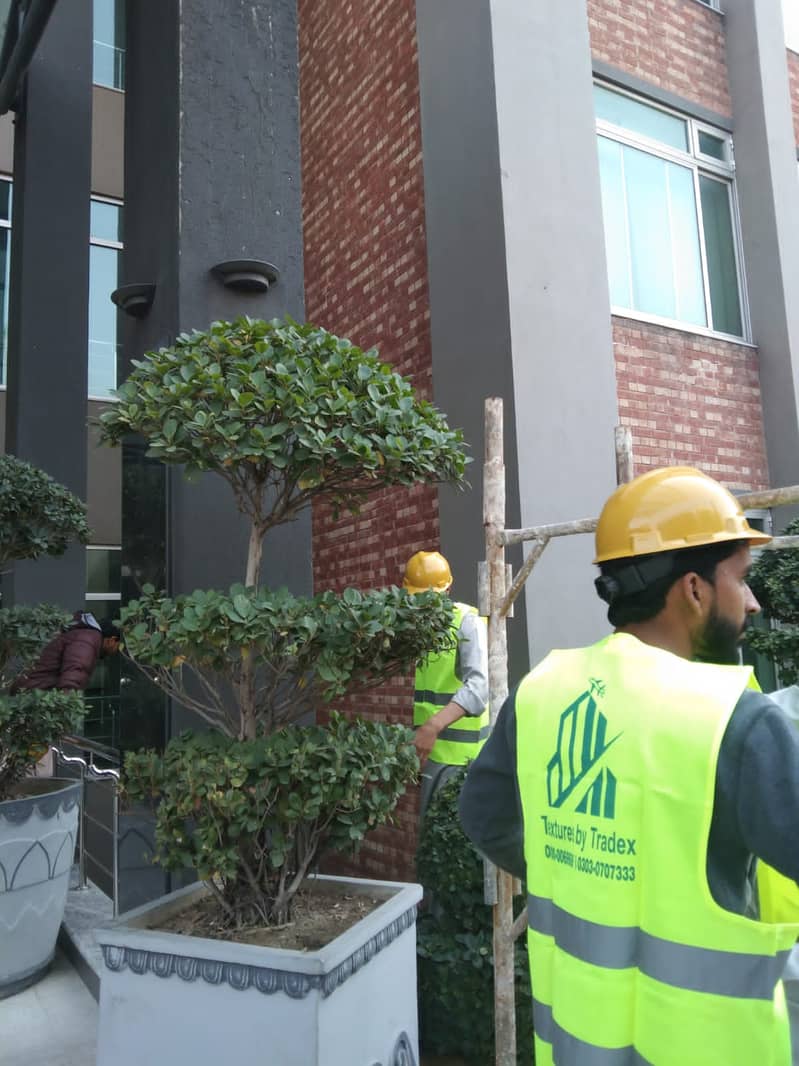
471 665
762 755
490 807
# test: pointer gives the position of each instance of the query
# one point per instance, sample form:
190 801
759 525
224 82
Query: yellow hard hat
427 570
668 509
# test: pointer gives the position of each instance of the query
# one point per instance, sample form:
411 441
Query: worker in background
450 700
631 783
68 660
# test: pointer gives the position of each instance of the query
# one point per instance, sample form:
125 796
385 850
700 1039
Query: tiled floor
53 1023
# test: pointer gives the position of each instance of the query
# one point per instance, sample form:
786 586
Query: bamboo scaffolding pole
748 500
625 470
494 521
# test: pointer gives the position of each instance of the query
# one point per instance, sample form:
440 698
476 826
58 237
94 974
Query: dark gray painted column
212 174
48 327
765 158
469 313
518 279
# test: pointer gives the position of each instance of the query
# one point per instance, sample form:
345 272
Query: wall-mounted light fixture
246 275
134 300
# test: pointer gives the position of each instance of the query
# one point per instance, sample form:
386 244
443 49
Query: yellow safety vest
632 961
436 684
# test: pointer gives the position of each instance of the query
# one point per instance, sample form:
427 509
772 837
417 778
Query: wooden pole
625 469
494 522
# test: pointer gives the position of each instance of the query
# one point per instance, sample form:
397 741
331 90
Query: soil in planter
317 918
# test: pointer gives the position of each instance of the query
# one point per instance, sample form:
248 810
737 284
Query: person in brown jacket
68 661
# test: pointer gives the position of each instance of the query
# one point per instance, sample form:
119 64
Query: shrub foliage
774 579
455 945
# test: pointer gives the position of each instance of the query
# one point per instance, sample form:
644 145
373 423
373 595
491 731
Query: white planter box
168 998
37 846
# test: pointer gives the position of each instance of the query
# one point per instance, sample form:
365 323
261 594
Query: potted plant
286 414
38 816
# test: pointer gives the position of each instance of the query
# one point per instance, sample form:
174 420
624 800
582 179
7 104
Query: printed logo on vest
575 772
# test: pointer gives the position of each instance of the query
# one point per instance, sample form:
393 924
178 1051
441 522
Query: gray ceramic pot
37 844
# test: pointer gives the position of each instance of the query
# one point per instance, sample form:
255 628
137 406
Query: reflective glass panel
103 271
725 301
5 263
615 217
106 221
109 43
651 234
715 147
641 118
103 570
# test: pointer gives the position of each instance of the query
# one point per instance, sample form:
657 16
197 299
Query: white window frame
723 170
714 5
106 597
101 243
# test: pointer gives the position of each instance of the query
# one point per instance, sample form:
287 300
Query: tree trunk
254 553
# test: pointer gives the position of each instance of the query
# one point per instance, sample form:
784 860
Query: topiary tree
774 579
37 517
286 414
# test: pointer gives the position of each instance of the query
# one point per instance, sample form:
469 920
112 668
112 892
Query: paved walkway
53 1023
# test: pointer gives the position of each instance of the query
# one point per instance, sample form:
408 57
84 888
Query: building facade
589 209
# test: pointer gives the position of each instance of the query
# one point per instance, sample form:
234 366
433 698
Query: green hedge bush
456 975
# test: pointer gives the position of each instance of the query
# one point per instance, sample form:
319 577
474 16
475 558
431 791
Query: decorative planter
37 845
165 997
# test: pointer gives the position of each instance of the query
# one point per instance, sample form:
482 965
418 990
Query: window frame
100 242
116 49
104 597
5 223
699 164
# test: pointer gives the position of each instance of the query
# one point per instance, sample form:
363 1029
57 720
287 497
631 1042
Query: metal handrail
90 769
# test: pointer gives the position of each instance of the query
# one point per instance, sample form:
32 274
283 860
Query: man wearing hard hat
632 783
450 700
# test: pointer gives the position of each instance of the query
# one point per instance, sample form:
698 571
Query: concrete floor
53 1023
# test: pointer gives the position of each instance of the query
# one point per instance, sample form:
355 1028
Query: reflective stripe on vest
568 1050
719 973
632 961
436 684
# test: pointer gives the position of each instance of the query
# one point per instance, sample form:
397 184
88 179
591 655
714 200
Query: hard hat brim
753 537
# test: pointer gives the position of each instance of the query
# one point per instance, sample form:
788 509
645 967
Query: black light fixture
135 299
246 275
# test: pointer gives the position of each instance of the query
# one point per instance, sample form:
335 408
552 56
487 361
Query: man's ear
693 592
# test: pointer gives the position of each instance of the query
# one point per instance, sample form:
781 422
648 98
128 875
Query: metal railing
98 836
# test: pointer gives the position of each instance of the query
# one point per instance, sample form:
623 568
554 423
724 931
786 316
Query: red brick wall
793 74
691 400
366 278
676 45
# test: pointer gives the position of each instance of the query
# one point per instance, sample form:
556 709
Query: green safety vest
632 961
436 684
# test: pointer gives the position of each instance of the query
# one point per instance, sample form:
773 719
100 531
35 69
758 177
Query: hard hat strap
636 576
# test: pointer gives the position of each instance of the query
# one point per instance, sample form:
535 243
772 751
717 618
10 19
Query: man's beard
720 640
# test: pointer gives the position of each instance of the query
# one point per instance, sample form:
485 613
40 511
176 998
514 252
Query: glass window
669 218
109 43
103 571
715 147
720 246
5 265
640 118
106 228
106 221
103 601
106 243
